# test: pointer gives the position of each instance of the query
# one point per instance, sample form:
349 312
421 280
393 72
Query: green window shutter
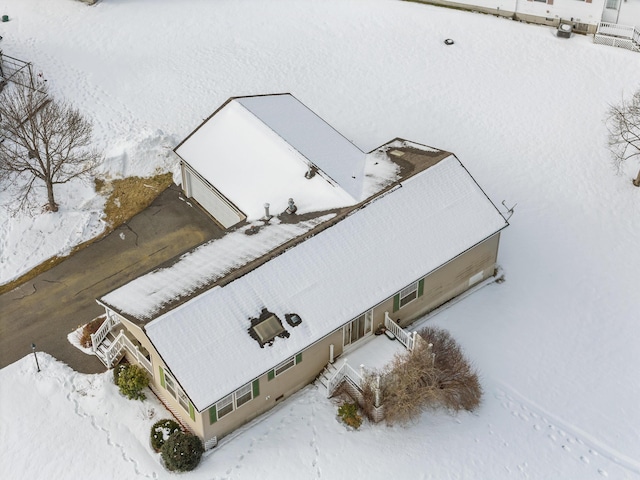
164 385
396 302
256 388
213 415
421 287
192 412
271 375
298 358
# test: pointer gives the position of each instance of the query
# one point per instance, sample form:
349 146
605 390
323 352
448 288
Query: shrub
132 379
427 377
182 451
349 414
117 370
90 328
160 432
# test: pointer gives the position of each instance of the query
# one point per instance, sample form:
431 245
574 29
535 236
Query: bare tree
41 140
623 121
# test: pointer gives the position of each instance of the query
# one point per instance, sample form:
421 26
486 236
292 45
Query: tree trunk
636 182
52 206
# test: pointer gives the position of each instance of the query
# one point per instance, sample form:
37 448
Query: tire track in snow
571 438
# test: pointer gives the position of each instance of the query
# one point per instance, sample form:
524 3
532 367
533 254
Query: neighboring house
238 324
584 15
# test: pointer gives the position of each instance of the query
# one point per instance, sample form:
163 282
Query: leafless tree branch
42 139
623 122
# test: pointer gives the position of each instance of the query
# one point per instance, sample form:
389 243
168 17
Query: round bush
160 432
182 451
132 380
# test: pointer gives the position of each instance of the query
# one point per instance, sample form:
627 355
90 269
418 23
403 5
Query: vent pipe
266 211
291 209
310 173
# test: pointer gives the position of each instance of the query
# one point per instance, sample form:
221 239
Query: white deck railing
615 35
345 371
121 342
101 333
406 338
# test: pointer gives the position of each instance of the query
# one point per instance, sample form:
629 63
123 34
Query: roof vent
310 172
291 209
293 319
267 217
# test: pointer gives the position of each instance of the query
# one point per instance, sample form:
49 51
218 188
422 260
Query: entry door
357 328
611 10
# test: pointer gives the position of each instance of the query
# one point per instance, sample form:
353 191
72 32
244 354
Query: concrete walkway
44 310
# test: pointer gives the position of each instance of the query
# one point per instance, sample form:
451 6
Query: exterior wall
189 418
448 281
585 15
274 389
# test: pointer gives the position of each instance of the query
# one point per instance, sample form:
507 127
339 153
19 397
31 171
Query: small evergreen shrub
117 370
160 432
182 451
349 414
132 379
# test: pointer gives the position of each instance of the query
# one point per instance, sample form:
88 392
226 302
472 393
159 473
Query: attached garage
219 207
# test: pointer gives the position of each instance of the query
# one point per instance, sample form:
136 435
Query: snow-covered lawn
556 344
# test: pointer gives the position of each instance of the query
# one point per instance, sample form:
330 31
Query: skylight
266 328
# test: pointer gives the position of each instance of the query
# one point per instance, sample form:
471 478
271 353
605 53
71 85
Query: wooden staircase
326 374
104 346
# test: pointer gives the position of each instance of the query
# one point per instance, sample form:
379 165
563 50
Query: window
357 328
284 366
225 406
612 4
234 400
408 294
176 392
243 395
170 384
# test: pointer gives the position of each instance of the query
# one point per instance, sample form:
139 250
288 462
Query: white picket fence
406 338
615 35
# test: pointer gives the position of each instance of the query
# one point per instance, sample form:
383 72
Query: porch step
326 374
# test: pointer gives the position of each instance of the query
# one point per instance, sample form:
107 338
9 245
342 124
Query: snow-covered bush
182 451
160 432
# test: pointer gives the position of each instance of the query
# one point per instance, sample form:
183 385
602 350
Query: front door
611 11
357 328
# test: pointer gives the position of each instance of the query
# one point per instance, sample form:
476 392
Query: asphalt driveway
44 310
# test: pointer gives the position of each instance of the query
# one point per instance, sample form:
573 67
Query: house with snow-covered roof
610 19
351 241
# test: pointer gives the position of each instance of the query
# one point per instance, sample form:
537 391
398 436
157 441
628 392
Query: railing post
331 358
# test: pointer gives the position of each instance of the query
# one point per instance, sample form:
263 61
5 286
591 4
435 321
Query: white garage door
211 200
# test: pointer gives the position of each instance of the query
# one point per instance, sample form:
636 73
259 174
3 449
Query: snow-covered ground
556 344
